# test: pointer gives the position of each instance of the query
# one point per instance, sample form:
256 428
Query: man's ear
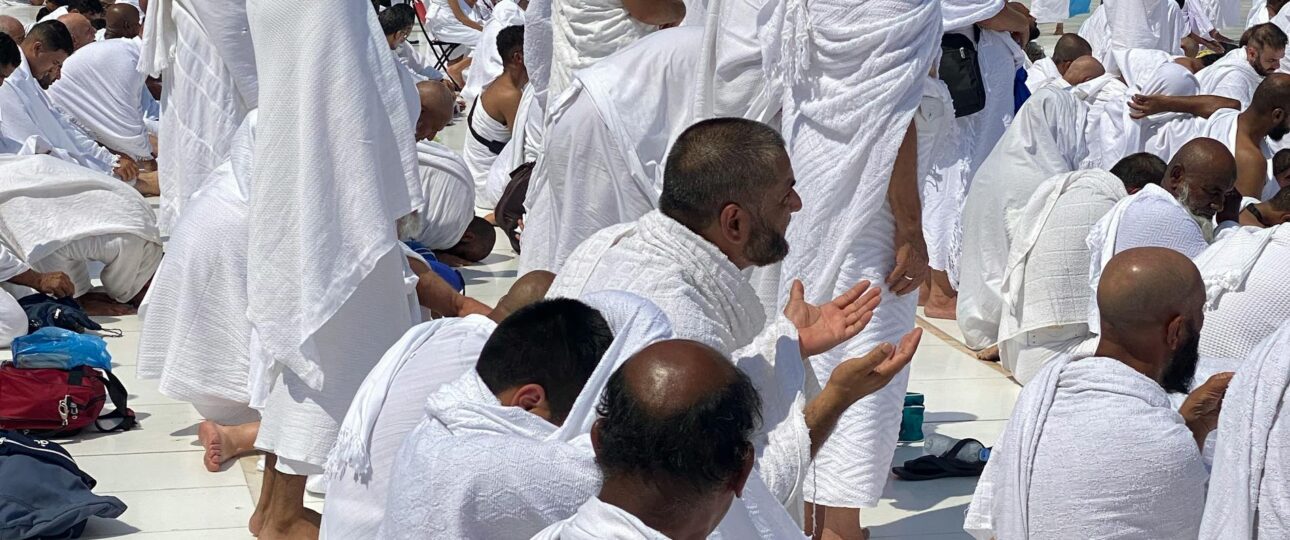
595 436
1280 217
528 396
737 484
734 223
1174 332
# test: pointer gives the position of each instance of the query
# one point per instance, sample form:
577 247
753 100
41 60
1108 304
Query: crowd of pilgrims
727 215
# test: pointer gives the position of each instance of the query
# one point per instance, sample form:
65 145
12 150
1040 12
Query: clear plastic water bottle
972 452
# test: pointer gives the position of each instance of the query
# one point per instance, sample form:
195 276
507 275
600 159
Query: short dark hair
9 53
1138 170
1281 201
1264 35
53 35
1276 5
700 448
509 40
1281 161
715 162
396 17
86 7
555 344
1069 47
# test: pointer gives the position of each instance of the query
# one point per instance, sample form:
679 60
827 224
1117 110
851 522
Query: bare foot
101 305
989 354
1059 30
304 526
147 184
944 309
224 443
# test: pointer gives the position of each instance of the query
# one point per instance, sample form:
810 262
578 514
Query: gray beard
1206 227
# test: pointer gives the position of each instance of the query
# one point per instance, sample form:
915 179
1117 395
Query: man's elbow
656 12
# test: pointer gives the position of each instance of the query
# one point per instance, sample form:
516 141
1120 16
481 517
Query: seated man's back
104 94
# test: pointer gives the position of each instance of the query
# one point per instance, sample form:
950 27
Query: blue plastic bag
1078 7
58 348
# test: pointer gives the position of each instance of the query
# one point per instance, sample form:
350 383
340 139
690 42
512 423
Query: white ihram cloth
1248 493
524 147
479 157
950 178
1282 20
854 80
449 195
323 249
57 216
606 144
1041 73
1220 126
1117 134
1258 14
1046 139
1045 284
386 408
1093 449
485 61
584 32
1230 77
1119 25
538 42
1246 294
26 111
416 63
597 519
732 79
444 26
503 472
203 52
13 319
709 300
103 93
196 335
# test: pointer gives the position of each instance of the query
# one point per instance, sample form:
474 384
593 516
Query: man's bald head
1083 69
80 28
1151 302
122 21
1068 48
528 289
679 417
436 109
13 27
476 243
1200 175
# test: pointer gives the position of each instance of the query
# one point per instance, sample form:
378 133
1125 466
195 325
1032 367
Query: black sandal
942 466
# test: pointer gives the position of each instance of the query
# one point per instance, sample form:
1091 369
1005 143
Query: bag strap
117 393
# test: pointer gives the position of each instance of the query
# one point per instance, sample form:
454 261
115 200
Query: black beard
1182 367
1278 132
767 246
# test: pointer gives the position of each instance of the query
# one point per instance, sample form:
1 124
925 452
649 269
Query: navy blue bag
43 494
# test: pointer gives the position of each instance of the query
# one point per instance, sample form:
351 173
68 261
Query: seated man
1240 71
1069 47
1092 437
484 443
396 23
1269 213
13 27
80 28
1045 288
492 115
1247 297
1249 490
446 223
103 94
13 318
121 21
26 110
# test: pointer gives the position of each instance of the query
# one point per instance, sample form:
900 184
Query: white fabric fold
1147 72
448 195
597 519
1041 73
584 32
1247 295
101 91
1231 76
27 111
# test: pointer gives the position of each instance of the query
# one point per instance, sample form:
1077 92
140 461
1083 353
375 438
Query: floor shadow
108 528
945 521
89 433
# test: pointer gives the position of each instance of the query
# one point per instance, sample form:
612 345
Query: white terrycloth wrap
100 89
449 195
1231 77
1220 13
584 32
1041 73
597 519
1046 139
331 174
1141 24
537 47
204 53
1088 439
1046 280
485 60
607 143
26 111
1246 294
958 14
196 334
46 203
854 81
1147 72
1248 493
732 79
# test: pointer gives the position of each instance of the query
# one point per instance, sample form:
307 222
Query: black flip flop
942 466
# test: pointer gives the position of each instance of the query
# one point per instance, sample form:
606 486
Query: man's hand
1144 106
469 306
126 169
55 284
856 378
821 328
911 262
1231 207
1201 408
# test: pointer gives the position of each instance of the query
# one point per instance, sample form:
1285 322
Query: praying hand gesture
821 328
126 169
1201 408
854 379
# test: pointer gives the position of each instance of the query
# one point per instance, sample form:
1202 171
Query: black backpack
961 71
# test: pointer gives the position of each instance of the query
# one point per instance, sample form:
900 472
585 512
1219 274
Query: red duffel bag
52 402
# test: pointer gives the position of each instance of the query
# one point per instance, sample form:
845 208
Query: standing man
335 154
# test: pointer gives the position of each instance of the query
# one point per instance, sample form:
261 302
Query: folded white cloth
1149 24
1247 299
1231 77
1116 134
104 94
1088 439
584 32
1248 493
1046 139
27 111
957 14
597 519
732 79
449 195
1041 73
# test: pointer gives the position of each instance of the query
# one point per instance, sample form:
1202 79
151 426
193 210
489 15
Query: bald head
13 27
1200 175
1068 48
528 289
679 414
436 109
80 28
1272 94
1083 69
122 21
